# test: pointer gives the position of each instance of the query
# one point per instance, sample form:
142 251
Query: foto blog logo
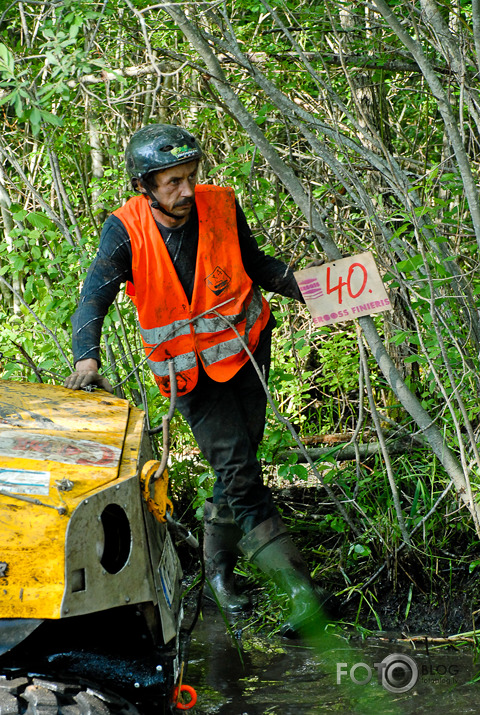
397 673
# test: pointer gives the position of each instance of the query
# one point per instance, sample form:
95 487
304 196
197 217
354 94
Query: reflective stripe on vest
188 361
155 336
231 347
209 356
173 329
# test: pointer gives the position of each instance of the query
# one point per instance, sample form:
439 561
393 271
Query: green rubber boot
270 547
220 552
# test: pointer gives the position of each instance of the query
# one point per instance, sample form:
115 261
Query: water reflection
256 675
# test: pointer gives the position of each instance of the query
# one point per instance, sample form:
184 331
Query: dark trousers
228 420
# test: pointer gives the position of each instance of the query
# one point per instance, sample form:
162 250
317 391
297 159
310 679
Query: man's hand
86 373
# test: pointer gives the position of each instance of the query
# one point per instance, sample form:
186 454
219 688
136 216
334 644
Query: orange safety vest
170 327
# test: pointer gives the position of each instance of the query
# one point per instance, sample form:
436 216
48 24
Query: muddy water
256 675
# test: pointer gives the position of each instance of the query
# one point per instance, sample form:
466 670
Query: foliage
348 127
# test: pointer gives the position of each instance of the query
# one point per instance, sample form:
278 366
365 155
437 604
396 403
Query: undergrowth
430 586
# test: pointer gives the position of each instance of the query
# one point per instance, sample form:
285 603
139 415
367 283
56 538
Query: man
193 270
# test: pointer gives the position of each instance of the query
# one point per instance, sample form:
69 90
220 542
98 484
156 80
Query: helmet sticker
180 152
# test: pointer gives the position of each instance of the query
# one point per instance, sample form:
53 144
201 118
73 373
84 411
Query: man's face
175 189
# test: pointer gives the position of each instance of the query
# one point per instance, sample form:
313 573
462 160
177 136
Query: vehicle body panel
75 534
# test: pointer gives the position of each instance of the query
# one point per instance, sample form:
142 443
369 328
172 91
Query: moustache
184 202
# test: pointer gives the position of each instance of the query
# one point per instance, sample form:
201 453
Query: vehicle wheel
34 695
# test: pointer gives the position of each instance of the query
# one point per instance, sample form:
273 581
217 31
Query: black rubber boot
270 547
220 552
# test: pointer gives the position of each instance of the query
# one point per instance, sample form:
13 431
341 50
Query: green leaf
411 264
18 262
51 118
18 105
473 565
39 220
10 98
52 59
74 29
7 61
35 120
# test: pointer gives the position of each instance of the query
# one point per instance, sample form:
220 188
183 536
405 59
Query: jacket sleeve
268 272
111 267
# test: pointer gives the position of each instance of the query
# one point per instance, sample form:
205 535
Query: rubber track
37 696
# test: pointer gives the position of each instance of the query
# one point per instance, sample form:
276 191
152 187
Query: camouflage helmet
159 146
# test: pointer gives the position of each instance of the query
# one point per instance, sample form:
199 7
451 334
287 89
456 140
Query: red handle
193 697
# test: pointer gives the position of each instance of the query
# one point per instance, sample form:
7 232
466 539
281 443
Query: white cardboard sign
343 290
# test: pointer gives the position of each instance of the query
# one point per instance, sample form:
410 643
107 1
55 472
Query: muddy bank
431 588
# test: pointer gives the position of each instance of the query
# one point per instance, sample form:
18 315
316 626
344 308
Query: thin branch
381 439
42 324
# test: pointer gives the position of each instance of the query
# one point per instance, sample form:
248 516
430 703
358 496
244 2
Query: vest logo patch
218 280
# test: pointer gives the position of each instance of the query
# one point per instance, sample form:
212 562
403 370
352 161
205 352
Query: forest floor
428 590
425 590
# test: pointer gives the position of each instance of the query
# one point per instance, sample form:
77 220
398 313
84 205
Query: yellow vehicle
86 556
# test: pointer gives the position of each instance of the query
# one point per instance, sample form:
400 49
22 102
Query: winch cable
166 419
189 539
184 533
